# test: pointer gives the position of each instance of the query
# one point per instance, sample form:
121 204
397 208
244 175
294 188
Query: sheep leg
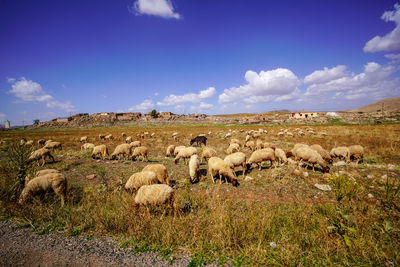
220 178
210 172
244 168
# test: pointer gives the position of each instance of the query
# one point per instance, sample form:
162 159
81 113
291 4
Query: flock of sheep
152 184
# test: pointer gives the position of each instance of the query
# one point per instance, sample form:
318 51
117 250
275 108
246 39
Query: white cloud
202 107
273 85
161 8
373 83
393 56
326 75
391 41
193 98
145 106
30 91
10 80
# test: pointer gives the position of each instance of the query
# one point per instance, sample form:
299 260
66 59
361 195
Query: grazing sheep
128 140
356 152
83 139
122 149
153 135
109 137
48 141
251 145
40 153
256 135
280 134
101 149
220 167
324 154
53 145
235 141
289 134
141 151
177 149
199 140
22 141
40 173
227 135
341 152
102 137
247 138
294 150
139 179
269 145
232 148
280 155
41 142
135 144
154 195
29 143
207 153
87 146
185 153
194 166
259 144
301 133
170 151
236 159
161 172
310 156
123 135
258 156
44 183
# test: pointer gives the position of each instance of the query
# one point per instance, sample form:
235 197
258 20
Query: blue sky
207 56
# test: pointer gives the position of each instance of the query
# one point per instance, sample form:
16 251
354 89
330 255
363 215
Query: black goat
199 140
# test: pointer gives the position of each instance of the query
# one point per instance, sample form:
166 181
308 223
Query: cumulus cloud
161 8
390 41
145 106
274 85
202 107
374 82
172 100
29 91
326 75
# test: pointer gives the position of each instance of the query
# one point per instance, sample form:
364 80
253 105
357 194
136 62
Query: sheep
87 146
170 150
22 141
236 159
48 141
53 145
83 139
185 153
40 153
259 144
141 151
41 142
135 144
324 154
40 173
340 152
268 145
109 137
29 143
156 194
209 133
207 153
235 141
301 133
280 155
250 144
247 138
311 156
294 150
220 167
101 149
194 166
256 135
177 149
199 140
261 155
356 152
102 137
122 149
139 179
44 183
227 135
128 140
153 135
123 135
161 172
232 148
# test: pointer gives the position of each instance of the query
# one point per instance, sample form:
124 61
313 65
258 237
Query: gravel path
22 247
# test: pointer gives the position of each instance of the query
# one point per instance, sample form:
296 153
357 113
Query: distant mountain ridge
389 105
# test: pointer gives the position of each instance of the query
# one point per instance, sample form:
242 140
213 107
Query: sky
195 56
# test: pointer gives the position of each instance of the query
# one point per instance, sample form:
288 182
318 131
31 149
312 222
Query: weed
392 190
344 187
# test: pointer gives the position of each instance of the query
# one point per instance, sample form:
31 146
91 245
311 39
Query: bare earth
22 247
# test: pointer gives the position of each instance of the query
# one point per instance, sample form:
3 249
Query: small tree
153 113
36 122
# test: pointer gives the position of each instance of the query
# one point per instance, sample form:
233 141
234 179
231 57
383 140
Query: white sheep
357 152
123 135
207 153
220 167
141 178
128 140
122 149
310 156
83 139
185 153
86 146
170 151
247 138
251 145
53 145
227 135
177 149
232 148
40 173
259 144
109 137
324 154
40 153
235 141
161 172
258 156
29 143
154 195
100 149
341 152
280 155
236 159
136 144
141 151
194 166
44 183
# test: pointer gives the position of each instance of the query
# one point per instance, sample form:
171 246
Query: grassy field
357 223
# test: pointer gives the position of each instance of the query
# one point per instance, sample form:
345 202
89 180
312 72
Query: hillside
389 105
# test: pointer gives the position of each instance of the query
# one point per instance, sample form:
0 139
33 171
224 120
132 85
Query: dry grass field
357 223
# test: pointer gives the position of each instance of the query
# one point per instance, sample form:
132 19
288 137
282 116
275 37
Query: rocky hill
389 105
